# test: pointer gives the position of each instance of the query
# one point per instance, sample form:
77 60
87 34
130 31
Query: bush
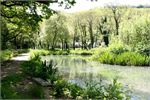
34 53
132 58
81 52
49 72
32 67
92 90
126 58
107 58
143 49
116 91
99 90
36 68
119 50
6 54
136 34
59 88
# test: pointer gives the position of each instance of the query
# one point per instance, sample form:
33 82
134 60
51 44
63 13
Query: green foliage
81 52
36 68
116 91
7 86
59 88
10 85
6 54
7 92
56 32
98 90
49 72
13 78
92 90
125 58
132 58
36 91
62 88
120 54
107 57
32 67
37 52
21 21
117 48
136 33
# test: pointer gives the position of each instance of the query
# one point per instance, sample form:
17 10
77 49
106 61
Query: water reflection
77 70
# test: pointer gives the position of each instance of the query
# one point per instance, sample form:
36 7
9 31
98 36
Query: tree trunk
74 42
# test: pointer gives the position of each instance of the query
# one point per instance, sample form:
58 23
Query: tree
25 17
90 22
117 12
57 31
104 29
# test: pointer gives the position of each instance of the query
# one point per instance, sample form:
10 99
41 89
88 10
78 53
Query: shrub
91 90
62 88
107 58
114 91
59 88
118 50
126 58
34 53
75 90
6 54
81 52
143 49
132 58
36 68
32 67
49 72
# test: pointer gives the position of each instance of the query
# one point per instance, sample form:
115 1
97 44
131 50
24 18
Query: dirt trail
13 65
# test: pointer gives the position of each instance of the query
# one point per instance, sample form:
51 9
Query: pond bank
77 70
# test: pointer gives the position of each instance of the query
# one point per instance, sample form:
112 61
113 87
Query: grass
43 52
125 59
10 88
7 86
120 56
7 54
79 51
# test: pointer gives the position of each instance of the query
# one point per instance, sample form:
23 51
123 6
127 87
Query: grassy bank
114 55
7 54
121 56
35 52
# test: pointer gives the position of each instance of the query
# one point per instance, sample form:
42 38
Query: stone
42 82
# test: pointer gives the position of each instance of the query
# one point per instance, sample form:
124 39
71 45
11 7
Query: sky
82 5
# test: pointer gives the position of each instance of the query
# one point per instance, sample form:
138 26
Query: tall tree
104 29
23 17
118 12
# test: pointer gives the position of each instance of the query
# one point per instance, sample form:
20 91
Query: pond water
77 70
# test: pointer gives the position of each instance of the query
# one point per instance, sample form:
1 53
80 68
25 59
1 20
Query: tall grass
126 58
